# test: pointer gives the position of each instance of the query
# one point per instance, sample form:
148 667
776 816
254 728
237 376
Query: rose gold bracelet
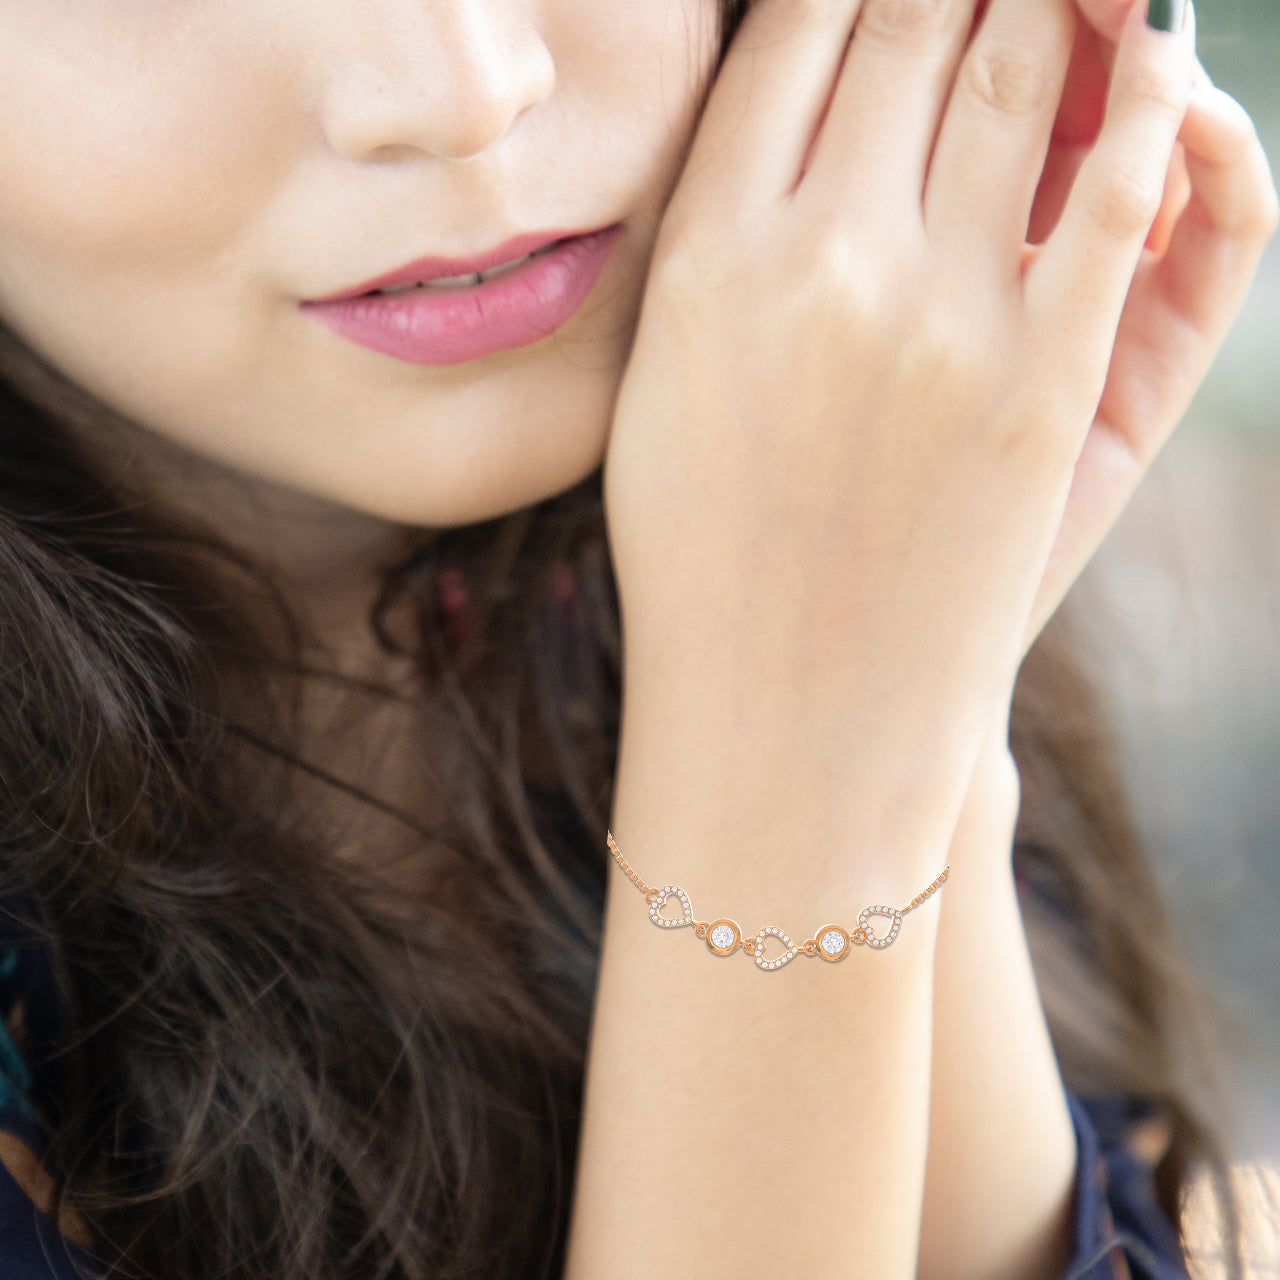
831 942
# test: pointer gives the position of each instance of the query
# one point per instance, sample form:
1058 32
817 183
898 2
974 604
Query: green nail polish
1166 15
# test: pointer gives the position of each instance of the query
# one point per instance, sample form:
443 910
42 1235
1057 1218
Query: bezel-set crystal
723 947
827 938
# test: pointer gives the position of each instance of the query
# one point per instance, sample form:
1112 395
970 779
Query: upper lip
424 269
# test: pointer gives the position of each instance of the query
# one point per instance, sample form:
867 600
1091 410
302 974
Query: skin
185 174
952 357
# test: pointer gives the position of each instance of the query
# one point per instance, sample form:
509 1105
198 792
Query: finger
995 137
1083 274
768 99
1177 194
1182 304
1104 481
885 110
1178 313
1076 129
1230 215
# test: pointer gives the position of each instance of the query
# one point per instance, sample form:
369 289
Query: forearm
738 1119
998 1191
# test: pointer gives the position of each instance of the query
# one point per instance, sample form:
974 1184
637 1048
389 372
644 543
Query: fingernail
1166 15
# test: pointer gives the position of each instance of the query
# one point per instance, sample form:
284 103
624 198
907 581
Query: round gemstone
722 935
832 942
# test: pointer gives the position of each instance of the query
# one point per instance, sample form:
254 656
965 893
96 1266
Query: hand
1219 211
845 440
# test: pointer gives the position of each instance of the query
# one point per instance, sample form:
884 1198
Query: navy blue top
1120 1229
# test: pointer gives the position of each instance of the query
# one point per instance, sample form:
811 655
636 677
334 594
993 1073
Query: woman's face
181 175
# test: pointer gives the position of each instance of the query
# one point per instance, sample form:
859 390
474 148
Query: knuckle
1126 202
1254 214
945 353
1013 435
772 26
1266 203
1177 371
840 275
903 22
1255 211
811 10
1037 438
687 269
1009 78
767 23
818 11
1269 213
1154 92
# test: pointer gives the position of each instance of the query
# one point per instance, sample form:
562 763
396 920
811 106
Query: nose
448 78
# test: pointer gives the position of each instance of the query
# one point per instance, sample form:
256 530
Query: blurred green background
1239 43
1181 608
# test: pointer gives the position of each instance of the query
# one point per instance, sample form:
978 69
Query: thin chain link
626 866
751 945
929 892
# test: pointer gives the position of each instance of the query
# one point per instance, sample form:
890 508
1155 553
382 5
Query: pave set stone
785 958
655 908
889 913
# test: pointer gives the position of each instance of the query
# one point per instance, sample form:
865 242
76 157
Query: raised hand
845 441
1000 1142
840 458
1219 211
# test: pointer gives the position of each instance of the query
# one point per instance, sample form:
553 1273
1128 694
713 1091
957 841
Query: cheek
633 74
136 148
172 186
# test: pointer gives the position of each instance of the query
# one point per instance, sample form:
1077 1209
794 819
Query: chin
473 485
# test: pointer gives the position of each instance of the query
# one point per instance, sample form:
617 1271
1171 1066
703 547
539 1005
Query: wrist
761 800
982 842
834 928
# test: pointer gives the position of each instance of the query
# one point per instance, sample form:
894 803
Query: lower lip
450 326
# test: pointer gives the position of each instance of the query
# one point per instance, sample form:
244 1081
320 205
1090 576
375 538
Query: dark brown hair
274 1067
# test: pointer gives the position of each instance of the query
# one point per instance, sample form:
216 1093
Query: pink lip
449 326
